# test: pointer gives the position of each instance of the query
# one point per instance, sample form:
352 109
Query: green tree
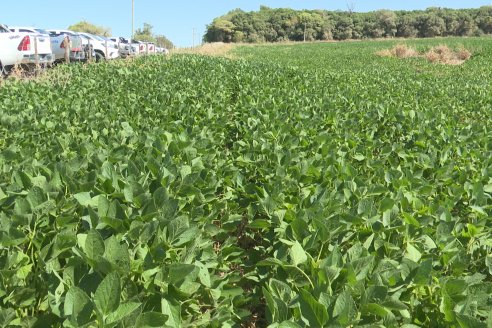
386 21
221 30
306 19
430 25
406 26
144 34
162 41
466 25
484 19
358 25
343 28
85 26
452 22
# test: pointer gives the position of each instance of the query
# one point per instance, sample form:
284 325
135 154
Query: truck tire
99 57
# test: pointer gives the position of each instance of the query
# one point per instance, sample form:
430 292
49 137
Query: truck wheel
99 57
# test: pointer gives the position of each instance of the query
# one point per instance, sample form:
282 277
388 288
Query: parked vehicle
80 49
29 46
161 50
23 48
17 29
146 47
57 42
150 48
111 44
125 48
141 47
101 51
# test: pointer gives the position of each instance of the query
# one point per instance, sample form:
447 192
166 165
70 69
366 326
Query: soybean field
295 185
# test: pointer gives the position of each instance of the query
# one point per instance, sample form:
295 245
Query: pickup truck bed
19 48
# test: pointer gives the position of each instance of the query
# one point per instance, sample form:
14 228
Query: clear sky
177 19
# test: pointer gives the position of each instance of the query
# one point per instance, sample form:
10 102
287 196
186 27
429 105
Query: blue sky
176 19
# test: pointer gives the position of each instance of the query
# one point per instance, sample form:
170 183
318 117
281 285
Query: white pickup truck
125 48
105 49
80 50
161 50
58 43
144 48
20 48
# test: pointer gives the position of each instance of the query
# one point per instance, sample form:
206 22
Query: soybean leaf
108 294
312 310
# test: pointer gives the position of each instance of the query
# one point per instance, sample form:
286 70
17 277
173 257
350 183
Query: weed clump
399 51
444 55
463 54
441 54
403 51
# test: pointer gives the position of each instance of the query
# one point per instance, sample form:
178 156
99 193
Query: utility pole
133 21
193 37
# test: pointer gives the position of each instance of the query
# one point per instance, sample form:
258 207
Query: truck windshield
97 37
42 31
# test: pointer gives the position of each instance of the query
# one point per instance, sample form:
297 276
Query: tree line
283 24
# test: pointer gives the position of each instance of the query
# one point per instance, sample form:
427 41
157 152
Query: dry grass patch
18 73
441 54
403 51
444 55
463 54
399 51
209 49
25 73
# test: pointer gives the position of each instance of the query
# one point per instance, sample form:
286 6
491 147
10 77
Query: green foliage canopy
274 25
85 26
146 34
